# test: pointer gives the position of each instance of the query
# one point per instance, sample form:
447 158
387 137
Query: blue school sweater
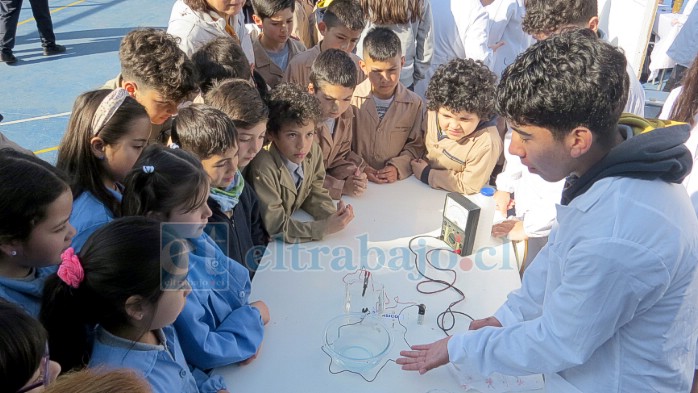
163 366
26 292
217 326
88 215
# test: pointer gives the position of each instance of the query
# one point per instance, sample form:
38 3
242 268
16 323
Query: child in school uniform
210 135
106 133
290 175
218 325
333 81
388 131
35 206
239 99
156 73
113 305
412 21
462 141
274 47
341 28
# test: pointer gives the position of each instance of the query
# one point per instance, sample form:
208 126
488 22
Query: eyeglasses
44 377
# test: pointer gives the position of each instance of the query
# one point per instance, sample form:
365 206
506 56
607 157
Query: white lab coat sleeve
526 302
474 34
539 217
513 169
599 292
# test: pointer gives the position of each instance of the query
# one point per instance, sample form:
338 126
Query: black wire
329 368
440 319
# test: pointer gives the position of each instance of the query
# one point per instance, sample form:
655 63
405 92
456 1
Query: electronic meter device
459 223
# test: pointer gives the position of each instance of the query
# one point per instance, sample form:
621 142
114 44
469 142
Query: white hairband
107 108
148 169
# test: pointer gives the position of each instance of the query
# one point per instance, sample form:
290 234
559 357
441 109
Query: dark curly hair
463 85
569 80
550 16
289 104
151 58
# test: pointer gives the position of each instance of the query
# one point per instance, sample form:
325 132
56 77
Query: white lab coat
505 18
535 197
460 30
195 29
609 305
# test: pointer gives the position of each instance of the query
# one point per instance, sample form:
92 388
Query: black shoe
8 58
53 49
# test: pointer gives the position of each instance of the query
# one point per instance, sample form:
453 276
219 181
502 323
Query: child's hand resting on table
355 185
339 220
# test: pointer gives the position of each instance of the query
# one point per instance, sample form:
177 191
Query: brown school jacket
304 23
340 162
397 138
462 166
298 70
279 198
271 73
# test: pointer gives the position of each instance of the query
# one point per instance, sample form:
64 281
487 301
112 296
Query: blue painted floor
38 86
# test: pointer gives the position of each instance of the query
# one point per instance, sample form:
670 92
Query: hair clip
173 146
148 169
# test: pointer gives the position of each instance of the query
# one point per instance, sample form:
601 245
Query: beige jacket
304 23
298 70
462 166
397 138
279 198
340 162
271 73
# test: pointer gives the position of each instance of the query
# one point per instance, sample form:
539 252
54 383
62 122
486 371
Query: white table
302 285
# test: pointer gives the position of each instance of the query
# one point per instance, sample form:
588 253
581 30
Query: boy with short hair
211 135
289 176
388 127
544 18
156 73
240 100
341 28
609 304
462 141
333 81
274 47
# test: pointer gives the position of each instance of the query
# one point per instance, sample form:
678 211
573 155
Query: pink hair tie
70 270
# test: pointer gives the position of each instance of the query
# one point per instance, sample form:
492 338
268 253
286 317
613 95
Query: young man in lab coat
609 304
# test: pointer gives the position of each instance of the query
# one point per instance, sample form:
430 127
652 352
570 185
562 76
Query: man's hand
340 219
263 310
418 166
503 202
510 228
480 323
423 358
